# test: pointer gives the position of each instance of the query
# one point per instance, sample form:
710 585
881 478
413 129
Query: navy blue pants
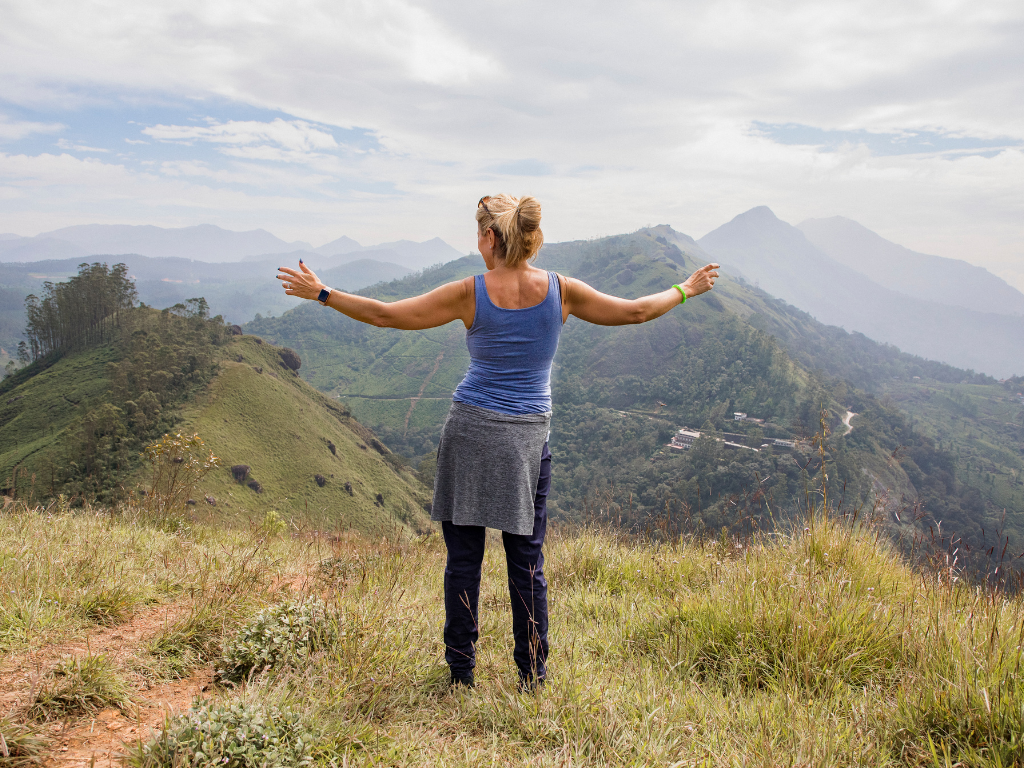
527 588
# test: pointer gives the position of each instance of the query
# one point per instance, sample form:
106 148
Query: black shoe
462 678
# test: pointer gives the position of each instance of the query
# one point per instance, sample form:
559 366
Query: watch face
324 294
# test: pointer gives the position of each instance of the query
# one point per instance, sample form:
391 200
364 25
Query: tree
87 309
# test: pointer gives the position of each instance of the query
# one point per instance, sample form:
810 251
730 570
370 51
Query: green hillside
621 393
258 413
76 424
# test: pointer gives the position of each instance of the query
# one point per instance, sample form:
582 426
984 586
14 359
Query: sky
388 119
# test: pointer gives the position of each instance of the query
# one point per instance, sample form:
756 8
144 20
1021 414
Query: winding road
846 420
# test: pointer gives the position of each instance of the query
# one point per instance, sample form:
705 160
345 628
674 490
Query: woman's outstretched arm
453 301
599 308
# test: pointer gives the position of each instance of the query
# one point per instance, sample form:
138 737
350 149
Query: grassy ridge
258 413
249 408
816 647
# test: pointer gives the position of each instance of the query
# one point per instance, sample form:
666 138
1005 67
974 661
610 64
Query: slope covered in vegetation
620 394
74 423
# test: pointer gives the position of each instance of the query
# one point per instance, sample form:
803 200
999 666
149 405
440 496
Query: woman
493 463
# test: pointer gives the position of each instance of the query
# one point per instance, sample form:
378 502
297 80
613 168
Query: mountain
236 291
780 259
204 242
76 426
342 245
620 394
420 255
915 274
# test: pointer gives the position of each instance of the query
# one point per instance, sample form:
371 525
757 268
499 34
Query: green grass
24 743
819 648
78 686
282 428
62 572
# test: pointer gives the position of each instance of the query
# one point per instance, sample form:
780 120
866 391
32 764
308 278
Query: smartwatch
325 294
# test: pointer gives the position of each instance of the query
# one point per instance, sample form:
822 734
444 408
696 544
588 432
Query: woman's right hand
701 281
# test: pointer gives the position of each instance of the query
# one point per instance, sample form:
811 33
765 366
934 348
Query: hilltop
819 646
75 425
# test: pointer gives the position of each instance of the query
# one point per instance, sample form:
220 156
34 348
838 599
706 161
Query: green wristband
682 293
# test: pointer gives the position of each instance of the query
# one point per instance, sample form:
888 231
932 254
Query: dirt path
412 405
20 673
101 738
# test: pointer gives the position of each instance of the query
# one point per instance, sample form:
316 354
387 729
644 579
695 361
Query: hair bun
528 214
516 222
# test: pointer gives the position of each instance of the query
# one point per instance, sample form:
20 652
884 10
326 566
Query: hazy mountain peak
933 278
343 244
881 301
760 214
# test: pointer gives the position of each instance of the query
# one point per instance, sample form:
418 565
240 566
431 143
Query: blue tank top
510 353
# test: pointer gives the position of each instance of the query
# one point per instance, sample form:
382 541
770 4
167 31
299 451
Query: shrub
189 641
232 735
84 684
281 634
177 464
108 605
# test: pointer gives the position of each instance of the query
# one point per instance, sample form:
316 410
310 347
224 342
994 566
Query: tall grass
63 571
818 646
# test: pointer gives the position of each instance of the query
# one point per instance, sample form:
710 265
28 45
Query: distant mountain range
941 309
205 242
237 291
840 272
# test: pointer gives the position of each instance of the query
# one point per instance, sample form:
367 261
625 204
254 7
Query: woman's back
511 351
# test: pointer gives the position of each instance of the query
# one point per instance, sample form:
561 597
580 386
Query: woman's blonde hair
516 224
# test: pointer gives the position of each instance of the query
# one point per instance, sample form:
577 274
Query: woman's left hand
304 284
701 281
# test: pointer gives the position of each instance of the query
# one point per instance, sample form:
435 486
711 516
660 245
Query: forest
144 364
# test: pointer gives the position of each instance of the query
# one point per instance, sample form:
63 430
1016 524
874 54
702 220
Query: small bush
232 735
281 634
85 684
177 465
189 641
110 605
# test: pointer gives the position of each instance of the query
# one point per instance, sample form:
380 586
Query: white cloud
14 130
67 145
292 135
467 99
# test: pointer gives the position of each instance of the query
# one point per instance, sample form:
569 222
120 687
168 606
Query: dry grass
816 648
